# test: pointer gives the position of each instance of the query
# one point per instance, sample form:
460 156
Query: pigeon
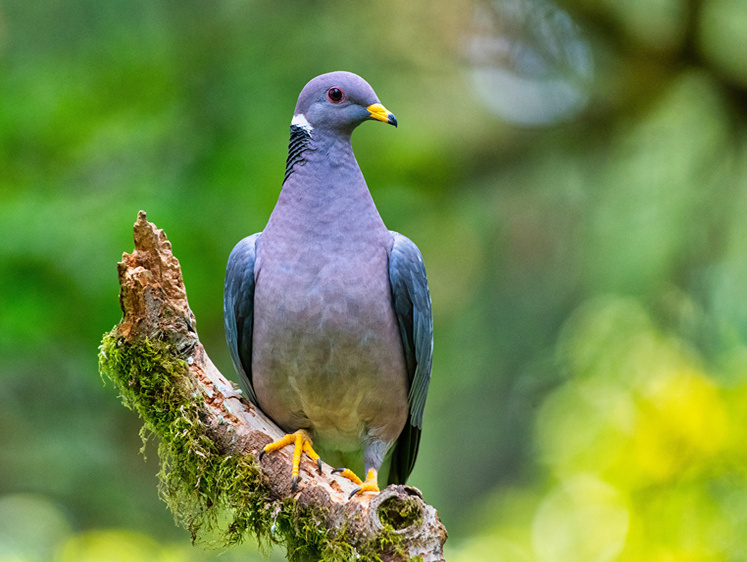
327 312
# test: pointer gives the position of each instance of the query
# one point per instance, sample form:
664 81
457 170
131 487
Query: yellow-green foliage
642 447
213 495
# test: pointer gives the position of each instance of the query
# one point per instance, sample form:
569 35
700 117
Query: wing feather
412 306
238 309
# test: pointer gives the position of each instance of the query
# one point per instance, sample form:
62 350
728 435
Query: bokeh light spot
583 519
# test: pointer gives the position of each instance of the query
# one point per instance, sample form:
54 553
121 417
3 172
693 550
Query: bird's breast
327 350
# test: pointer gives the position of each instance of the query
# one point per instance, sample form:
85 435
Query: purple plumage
327 312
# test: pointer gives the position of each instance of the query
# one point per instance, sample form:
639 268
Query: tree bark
393 525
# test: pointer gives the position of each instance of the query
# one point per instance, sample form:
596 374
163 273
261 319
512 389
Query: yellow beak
381 113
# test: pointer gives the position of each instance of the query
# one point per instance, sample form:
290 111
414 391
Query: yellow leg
302 443
370 485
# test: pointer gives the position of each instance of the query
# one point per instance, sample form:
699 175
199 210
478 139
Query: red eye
335 95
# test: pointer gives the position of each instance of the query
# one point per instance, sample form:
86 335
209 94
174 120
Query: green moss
221 499
307 538
209 493
400 513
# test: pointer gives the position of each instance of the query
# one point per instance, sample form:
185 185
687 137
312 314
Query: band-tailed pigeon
327 313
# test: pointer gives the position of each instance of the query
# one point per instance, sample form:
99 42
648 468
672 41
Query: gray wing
238 309
412 306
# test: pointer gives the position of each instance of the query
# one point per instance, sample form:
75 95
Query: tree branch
210 437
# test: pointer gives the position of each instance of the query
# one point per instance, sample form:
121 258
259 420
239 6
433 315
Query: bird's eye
335 95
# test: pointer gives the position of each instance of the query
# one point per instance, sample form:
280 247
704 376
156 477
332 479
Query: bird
327 312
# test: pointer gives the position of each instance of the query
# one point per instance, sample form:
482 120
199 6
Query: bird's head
338 101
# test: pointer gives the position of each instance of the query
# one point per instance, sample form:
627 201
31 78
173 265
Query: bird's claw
302 444
349 474
370 485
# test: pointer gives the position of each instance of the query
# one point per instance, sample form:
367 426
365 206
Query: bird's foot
302 443
370 485
349 474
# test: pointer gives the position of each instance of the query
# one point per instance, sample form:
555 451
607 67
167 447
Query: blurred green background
575 174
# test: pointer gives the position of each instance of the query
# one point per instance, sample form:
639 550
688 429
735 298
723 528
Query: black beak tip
392 120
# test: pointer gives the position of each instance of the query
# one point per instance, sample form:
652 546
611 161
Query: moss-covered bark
199 484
